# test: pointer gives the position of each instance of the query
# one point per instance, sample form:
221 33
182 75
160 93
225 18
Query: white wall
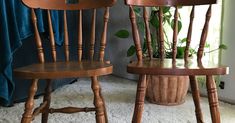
228 56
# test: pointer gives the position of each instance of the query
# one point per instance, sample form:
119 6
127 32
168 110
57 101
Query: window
213 38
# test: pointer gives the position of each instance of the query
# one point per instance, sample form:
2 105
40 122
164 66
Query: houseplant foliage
166 90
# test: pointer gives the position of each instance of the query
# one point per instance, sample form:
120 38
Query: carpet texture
119 95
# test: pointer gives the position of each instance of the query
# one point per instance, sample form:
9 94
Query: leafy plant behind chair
168 21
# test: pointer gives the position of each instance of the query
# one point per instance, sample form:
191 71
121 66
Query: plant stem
212 50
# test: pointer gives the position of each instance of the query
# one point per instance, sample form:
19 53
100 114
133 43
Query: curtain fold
16 25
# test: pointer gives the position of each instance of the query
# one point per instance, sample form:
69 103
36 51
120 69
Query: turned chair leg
196 98
105 111
98 101
213 99
47 98
28 112
140 97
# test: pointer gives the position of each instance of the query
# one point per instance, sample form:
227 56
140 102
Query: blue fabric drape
15 25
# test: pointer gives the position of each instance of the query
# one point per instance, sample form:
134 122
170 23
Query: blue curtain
16 25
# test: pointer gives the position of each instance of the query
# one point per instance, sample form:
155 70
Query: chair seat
165 67
64 70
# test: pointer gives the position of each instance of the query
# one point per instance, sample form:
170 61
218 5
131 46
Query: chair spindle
161 35
80 36
204 35
37 37
104 34
52 39
135 34
189 35
175 34
66 38
147 33
93 28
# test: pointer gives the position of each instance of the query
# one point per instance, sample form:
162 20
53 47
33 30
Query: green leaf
207 45
137 11
141 26
223 46
180 52
183 40
131 51
154 20
154 9
179 25
192 51
167 18
166 9
122 33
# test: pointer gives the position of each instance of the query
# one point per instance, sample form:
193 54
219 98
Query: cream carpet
120 96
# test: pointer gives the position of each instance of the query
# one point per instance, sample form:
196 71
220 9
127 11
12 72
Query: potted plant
164 90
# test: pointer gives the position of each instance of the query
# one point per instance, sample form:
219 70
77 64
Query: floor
120 96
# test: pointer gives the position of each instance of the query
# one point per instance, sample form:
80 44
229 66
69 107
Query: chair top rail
67 5
169 2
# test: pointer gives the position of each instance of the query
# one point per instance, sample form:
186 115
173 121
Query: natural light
213 39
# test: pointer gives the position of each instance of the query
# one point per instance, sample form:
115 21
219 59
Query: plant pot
167 90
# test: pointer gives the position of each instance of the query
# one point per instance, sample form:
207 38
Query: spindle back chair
67 69
173 66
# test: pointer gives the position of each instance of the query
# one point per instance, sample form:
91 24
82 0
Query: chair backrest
161 4
75 5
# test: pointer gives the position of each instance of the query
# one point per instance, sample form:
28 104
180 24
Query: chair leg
196 98
98 101
140 97
28 112
105 111
213 99
47 97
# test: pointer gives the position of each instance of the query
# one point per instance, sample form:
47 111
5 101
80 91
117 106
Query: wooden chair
173 66
67 69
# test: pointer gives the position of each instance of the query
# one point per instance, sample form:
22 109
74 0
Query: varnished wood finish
196 98
52 39
135 33
66 38
70 110
98 101
161 35
213 99
47 98
158 67
37 38
204 35
174 67
64 70
92 68
93 28
139 102
175 35
169 2
104 34
189 36
80 36
62 5
28 113
39 109
147 33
